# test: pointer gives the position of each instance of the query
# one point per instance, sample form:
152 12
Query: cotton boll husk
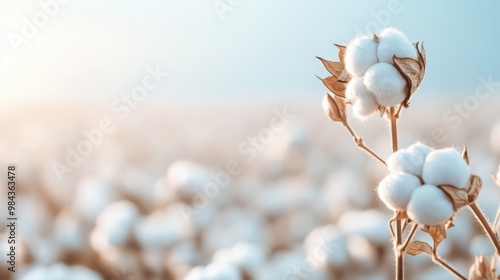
386 83
372 224
362 252
495 138
117 221
393 42
481 244
395 190
222 272
326 245
91 197
429 205
361 54
446 167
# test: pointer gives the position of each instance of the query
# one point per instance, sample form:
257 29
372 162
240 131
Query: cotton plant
424 187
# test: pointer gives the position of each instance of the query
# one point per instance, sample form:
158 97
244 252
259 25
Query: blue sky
261 49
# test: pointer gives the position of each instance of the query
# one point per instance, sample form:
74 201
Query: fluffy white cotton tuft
394 42
364 101
396 189
446 167
429 205
386 83
420 148
406 161
361 54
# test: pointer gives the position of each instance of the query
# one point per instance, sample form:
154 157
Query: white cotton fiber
405 161
222 272
364 101
420 148
396 189
386 83
429 205
361 54
446 167
394 42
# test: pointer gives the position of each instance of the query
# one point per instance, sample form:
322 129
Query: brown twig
409 238
486 225
361 145
443 264
399 257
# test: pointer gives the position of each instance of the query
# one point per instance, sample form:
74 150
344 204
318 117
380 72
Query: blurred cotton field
188 194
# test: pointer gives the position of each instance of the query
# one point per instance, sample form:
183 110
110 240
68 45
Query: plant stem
409 238
361 145
440 262
399 256
486 226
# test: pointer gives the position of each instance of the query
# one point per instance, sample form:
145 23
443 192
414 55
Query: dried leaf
334 108
481 269
459 197
475 187
375 38
422 61
438 234
410 69
465 155
336 87
417 247
335 68
342 50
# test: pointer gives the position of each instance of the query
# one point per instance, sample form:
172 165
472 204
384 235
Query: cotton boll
116 222
393 42
92 196
184 178
405 161
372 224
386 83
446 167
69 231
362 252
364 101
197 273
361 54
247 256
222 272
396 189
429 205
420 148
327 246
